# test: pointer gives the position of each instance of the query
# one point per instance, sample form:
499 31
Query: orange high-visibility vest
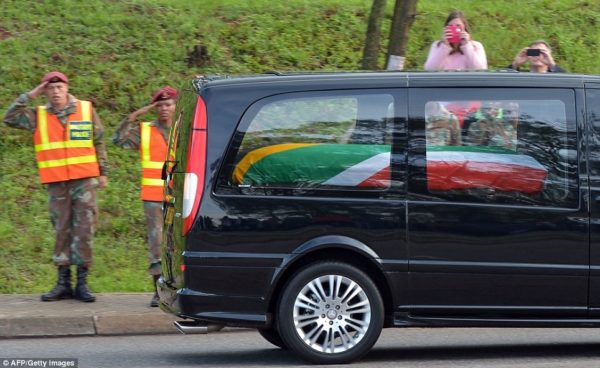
65 152
153 152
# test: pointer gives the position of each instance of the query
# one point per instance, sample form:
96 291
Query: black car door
497 223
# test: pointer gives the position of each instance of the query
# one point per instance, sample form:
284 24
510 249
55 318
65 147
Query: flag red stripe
380 179
464 175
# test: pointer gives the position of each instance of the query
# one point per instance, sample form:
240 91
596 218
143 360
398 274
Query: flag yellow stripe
258 154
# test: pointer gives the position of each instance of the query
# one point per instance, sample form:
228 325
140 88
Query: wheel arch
356 256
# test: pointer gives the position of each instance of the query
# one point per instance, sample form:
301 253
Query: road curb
41 326
140 324
112 314
25 316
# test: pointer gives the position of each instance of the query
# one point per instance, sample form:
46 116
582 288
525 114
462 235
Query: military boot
62 290
82 292
155 298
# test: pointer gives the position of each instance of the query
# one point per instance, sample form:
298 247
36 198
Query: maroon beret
165 93
55 76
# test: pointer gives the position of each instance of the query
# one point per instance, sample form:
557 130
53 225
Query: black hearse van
321 208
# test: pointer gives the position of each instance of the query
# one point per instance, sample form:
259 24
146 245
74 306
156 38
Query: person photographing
539 56
456 50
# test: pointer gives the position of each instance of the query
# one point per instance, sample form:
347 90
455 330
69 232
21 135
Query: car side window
507 148
317 141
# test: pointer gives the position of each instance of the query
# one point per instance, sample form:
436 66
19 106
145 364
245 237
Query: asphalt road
435 347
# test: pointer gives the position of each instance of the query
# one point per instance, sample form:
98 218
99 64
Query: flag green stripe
309 164
481 149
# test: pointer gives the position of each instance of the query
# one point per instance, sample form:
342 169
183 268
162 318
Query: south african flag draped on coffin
368 166
310 165
465 167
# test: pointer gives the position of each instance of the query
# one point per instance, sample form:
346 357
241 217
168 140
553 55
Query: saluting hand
134 115
37 90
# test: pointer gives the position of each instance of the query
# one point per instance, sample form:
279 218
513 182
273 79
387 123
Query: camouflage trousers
73 212
154 226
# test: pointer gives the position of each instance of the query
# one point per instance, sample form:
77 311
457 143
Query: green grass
117 53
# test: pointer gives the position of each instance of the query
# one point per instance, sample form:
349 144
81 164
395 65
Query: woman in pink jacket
456 50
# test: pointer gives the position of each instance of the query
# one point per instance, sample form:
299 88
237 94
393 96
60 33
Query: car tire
330 313
272 335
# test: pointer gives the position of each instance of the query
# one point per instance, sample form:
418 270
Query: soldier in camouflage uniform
441 126
151 139
72 163
480 132
493 127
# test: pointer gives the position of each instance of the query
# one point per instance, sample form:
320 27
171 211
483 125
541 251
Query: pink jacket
473 57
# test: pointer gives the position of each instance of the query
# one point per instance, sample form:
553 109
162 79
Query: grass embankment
117 52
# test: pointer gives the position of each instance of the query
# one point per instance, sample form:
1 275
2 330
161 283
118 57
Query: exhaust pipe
196 327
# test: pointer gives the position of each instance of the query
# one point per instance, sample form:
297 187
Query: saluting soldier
151 140
72 162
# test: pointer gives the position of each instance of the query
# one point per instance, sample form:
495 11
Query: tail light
193 186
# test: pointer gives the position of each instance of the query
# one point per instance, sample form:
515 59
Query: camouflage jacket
443 130
22 117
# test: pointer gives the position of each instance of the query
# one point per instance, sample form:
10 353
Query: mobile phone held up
533 52
453 33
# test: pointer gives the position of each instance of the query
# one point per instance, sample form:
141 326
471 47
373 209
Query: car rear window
318 141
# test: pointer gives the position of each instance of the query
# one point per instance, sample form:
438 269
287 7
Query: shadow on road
504 351
278 357
264 357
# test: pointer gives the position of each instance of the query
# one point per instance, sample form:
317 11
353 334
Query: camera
454 32
533 52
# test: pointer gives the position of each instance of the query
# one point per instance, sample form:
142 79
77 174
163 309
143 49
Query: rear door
496 218
311 170
174 169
